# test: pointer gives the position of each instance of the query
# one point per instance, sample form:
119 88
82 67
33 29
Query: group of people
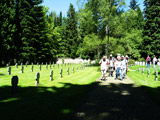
120 65
155 61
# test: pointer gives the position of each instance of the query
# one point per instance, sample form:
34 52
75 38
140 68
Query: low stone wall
74 61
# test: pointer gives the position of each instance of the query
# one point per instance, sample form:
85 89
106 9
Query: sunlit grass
52 99
150 84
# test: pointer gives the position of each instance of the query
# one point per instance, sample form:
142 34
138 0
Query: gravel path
117 100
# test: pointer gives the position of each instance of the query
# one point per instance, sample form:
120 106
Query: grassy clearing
52 99
150 85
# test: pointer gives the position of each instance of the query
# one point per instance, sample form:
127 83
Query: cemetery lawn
149 84
54 100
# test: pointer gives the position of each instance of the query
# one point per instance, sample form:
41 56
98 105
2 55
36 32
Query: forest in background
29 32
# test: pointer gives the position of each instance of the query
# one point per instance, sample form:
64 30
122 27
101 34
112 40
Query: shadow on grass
109 102
119 102
1 74
40 103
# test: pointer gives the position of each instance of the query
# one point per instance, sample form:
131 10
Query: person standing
148 59
127 61
118 66
123 60
111 66
154 61
103 63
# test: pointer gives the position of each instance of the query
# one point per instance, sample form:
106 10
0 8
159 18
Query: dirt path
117 100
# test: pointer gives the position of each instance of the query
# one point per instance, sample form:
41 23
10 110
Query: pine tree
72 34
140 19
6 31
133 4
151 31
60 19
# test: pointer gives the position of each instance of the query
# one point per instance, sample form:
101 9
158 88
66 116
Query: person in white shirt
111 65
118 66
127 61
154 61
123 60
103 64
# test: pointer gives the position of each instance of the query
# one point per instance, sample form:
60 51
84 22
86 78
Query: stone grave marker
26 64
77 68
9 70
16 65
14 82
142 70
53 65
32 68
143 63
148 73
22 68
37 77
68 70
61 73
51 75
46 66
50 65
73 69
40 67
156 76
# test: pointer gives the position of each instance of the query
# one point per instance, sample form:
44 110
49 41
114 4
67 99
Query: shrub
131 61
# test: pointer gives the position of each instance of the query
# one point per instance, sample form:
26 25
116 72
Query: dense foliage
29 32
151 31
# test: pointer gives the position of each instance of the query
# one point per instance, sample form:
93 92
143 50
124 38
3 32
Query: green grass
55 99
150 85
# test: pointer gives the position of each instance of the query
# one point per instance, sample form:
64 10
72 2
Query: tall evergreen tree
151 31
133 4
60 19
72 33
140 19
7 29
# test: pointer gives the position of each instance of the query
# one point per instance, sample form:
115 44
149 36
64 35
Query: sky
63 5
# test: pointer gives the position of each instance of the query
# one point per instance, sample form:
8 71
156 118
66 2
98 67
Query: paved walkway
117 100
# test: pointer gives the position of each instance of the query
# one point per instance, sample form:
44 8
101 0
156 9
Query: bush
131 61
